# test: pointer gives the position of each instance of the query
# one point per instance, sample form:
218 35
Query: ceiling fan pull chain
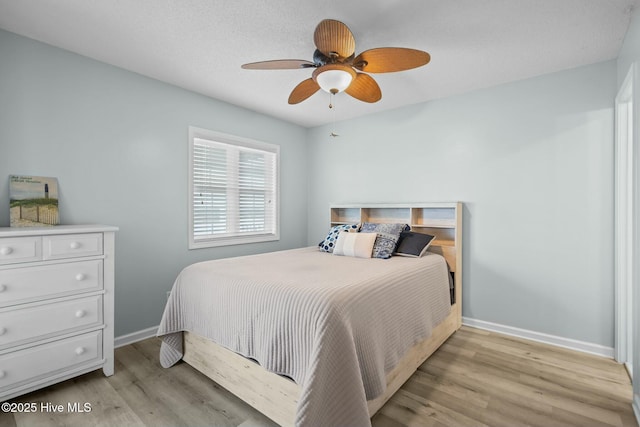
332 134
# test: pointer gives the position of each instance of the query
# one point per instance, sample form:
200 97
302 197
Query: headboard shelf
427 215
345 215
418 216
435 223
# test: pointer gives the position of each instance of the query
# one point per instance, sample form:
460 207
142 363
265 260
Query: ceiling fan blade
305 89
333 36
390 59
364 88
279 64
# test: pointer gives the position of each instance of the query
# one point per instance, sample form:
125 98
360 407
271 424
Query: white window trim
195 132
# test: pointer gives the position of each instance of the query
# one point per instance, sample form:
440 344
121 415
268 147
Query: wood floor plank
578 420
7 419
382 420
547 354
586 394
106 407
479 414
571 374
455 390
477 378
511 388
601 405
493 382
420 411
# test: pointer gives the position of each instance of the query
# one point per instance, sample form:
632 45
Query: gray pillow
387 240
413 244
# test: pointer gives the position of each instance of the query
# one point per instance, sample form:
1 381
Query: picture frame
33 201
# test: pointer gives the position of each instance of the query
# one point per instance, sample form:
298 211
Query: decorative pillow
387 240
329 242
413 244
359 245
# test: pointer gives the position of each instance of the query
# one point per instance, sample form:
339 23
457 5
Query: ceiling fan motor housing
321 59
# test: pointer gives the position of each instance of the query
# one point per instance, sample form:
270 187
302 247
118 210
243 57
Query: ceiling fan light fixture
334 78
334 81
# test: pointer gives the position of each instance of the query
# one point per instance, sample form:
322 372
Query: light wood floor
476 378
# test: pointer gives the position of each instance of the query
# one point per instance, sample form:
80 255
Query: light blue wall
533 163
630 51
117 142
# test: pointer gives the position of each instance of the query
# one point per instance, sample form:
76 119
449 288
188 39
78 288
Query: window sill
229 241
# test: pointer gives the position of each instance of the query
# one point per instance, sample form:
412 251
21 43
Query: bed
311 338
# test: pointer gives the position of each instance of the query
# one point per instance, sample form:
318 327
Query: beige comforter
335 325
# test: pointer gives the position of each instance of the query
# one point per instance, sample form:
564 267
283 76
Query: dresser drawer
72 245
21 326
18 285
20 249
36 362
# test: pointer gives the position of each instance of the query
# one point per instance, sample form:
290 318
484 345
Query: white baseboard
585 347
123 340
636 407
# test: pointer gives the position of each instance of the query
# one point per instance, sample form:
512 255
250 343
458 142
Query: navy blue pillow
413 244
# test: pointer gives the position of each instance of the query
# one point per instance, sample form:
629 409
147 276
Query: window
233 190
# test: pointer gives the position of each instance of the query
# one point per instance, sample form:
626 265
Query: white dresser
56 305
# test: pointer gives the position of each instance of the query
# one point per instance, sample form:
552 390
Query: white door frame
626 203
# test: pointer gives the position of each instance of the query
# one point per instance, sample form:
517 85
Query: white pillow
359 245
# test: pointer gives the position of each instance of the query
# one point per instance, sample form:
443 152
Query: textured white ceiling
200 44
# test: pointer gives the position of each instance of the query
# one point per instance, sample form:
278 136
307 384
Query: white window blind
233 190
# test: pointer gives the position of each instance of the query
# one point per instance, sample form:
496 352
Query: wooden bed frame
276 396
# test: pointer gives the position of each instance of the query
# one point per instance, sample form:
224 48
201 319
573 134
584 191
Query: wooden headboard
443 220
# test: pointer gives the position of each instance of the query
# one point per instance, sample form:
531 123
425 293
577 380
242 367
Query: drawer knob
80 277
80 351
80 313
75 245
3 331
6 250
2 374
3 288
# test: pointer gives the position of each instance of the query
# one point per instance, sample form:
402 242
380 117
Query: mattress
335 325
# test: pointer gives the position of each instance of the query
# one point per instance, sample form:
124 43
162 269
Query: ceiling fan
337 68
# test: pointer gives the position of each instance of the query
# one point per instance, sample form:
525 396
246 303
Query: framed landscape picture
34 201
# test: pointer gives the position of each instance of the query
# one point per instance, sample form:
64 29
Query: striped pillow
359 245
